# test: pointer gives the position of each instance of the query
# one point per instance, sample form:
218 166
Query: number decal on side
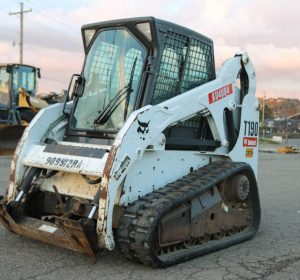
251 128
250 134
63 162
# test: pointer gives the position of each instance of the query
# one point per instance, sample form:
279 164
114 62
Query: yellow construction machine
18 102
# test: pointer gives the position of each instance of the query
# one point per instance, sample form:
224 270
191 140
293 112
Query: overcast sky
267 29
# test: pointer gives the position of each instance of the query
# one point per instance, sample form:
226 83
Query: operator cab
132 63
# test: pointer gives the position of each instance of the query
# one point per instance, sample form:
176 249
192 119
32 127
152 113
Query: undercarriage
192 216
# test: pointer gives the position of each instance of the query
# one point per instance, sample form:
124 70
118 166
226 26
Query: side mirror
38 73
8 68
76 87
73 88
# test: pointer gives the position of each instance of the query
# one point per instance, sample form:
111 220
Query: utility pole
21 13
263 114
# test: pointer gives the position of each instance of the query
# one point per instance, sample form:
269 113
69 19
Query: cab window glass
4 86
112 71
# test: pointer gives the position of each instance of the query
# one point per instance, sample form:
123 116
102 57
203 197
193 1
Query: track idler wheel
237 188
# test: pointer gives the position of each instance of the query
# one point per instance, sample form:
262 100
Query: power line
73 22
36 37
53 17
21 13
69 21
58 19
77 19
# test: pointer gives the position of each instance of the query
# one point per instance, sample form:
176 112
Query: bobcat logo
143 128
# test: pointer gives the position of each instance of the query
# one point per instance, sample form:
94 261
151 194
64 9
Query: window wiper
117 100
112 105
130 86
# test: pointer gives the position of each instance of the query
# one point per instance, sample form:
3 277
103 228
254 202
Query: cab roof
17 64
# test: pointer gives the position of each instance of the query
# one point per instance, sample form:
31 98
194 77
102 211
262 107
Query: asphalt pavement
274 253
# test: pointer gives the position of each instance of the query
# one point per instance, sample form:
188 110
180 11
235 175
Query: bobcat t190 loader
155 153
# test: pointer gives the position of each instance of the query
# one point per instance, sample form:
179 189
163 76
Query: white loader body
137 162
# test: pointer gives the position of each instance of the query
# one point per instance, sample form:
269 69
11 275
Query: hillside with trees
281 107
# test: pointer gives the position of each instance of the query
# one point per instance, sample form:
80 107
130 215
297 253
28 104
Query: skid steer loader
155 153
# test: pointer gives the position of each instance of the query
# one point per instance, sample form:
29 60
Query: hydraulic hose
26 184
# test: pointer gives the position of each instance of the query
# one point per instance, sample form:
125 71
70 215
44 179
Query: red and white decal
219 93
249 142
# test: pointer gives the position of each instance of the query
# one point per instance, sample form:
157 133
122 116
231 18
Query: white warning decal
47 228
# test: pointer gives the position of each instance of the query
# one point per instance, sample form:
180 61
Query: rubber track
136 232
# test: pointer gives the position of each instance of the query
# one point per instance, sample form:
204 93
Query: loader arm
133 139
32 136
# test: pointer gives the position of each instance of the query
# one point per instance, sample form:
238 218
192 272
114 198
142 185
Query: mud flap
65 233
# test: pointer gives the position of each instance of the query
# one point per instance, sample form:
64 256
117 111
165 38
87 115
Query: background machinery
18 103
155 153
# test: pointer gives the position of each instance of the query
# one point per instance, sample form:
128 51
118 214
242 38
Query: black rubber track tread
136 232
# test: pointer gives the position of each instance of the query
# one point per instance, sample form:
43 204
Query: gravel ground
273 254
